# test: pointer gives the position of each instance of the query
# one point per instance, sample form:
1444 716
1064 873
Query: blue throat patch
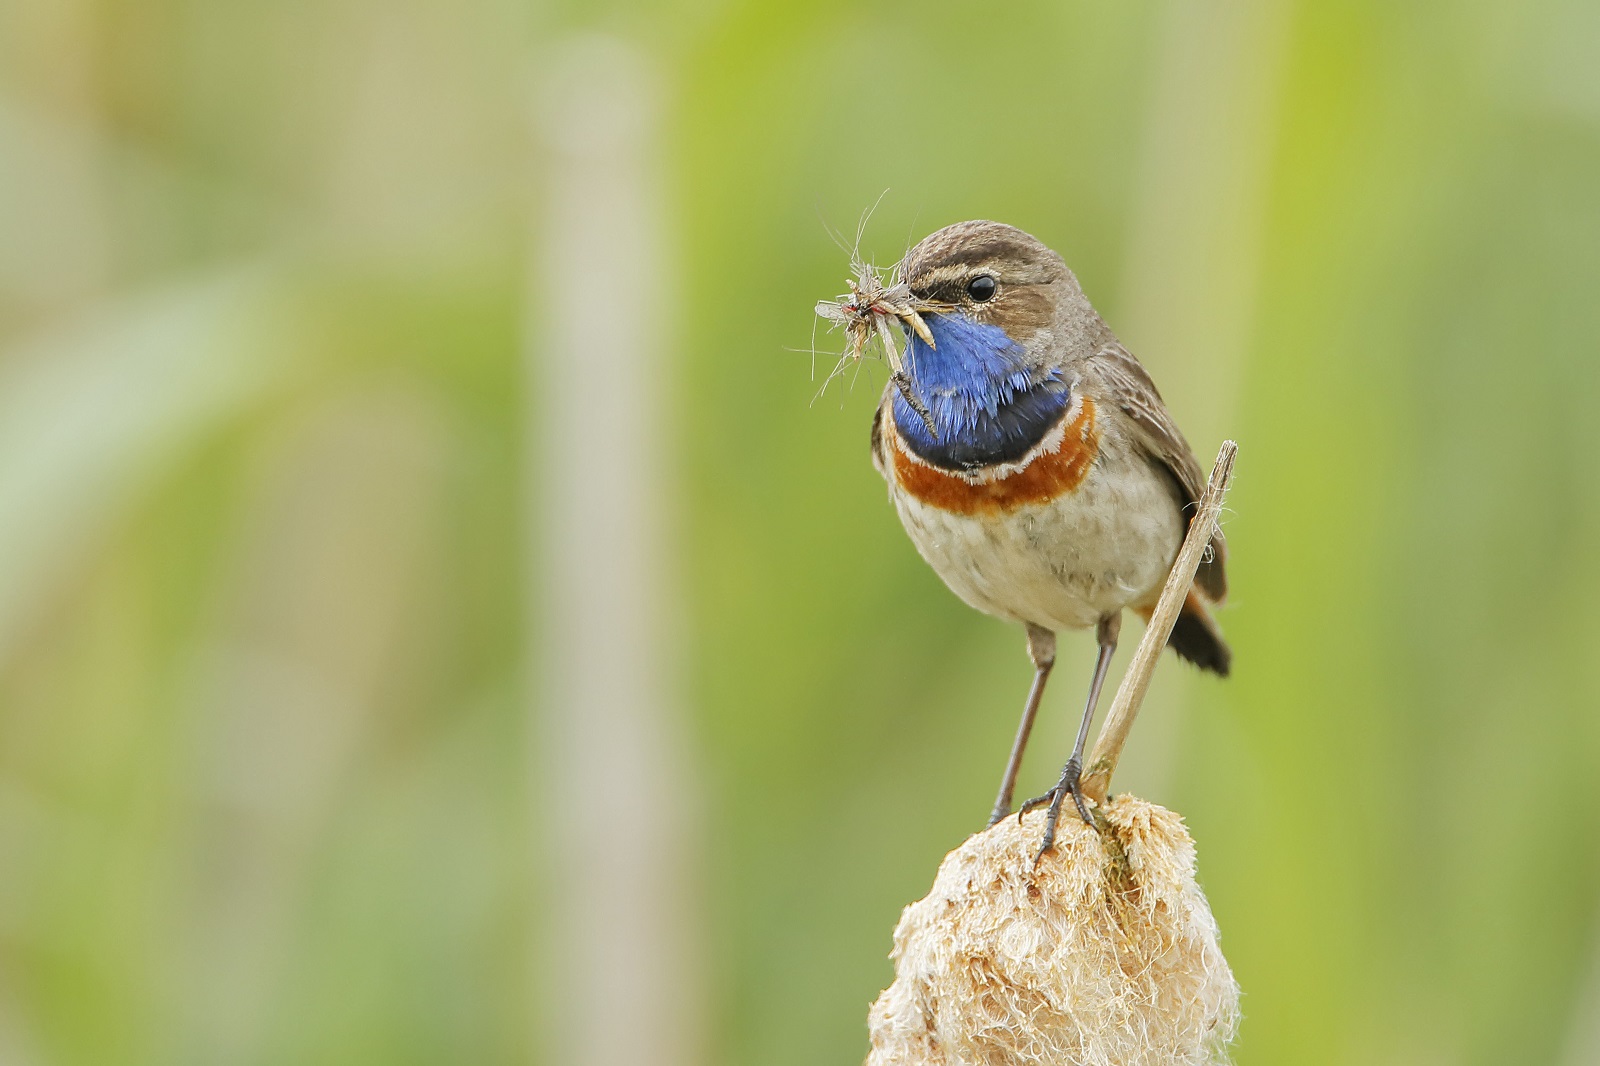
987 406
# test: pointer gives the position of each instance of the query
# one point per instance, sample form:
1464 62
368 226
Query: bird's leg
1106 634
1042 650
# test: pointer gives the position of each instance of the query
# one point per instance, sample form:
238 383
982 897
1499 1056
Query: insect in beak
901 303
865 313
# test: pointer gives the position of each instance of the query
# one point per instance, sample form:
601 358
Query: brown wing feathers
1195 636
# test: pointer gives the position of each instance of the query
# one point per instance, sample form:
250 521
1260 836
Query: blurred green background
270 306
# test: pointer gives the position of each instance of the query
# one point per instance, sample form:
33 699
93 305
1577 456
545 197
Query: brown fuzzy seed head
1091 957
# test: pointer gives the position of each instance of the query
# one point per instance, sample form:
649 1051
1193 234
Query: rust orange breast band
1046 477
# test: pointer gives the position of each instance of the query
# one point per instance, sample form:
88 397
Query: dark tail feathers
1195 637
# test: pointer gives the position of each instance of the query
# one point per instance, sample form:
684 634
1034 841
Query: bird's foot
1069 785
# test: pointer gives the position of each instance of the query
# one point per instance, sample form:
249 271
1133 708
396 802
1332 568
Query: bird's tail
1196 637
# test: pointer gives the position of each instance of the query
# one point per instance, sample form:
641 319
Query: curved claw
1068 785
1035 803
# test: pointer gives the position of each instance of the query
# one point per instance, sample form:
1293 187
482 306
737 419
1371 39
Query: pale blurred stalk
1194 253
617 937
1583 1031
1194 256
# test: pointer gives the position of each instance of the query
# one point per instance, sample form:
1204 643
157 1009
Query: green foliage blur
265 689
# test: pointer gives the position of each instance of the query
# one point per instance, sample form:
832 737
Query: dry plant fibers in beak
865 312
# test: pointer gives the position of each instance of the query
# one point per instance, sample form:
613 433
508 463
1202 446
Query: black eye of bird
982 288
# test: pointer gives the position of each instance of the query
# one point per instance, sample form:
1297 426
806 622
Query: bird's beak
919 327
900 301
866 310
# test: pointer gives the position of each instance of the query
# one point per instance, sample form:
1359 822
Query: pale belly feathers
1062 563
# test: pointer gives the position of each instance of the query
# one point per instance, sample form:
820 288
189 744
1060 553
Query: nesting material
1105 954
858 311
866 312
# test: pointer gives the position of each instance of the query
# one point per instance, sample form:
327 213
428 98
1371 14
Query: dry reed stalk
1136 682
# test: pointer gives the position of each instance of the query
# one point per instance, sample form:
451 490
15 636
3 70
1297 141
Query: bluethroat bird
1032 460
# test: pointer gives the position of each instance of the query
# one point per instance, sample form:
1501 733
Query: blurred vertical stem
620 924
1194 254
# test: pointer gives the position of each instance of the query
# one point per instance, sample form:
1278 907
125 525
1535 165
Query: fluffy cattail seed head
1104 954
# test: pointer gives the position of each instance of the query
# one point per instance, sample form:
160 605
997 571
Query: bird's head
993 324
1000 280
990 360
